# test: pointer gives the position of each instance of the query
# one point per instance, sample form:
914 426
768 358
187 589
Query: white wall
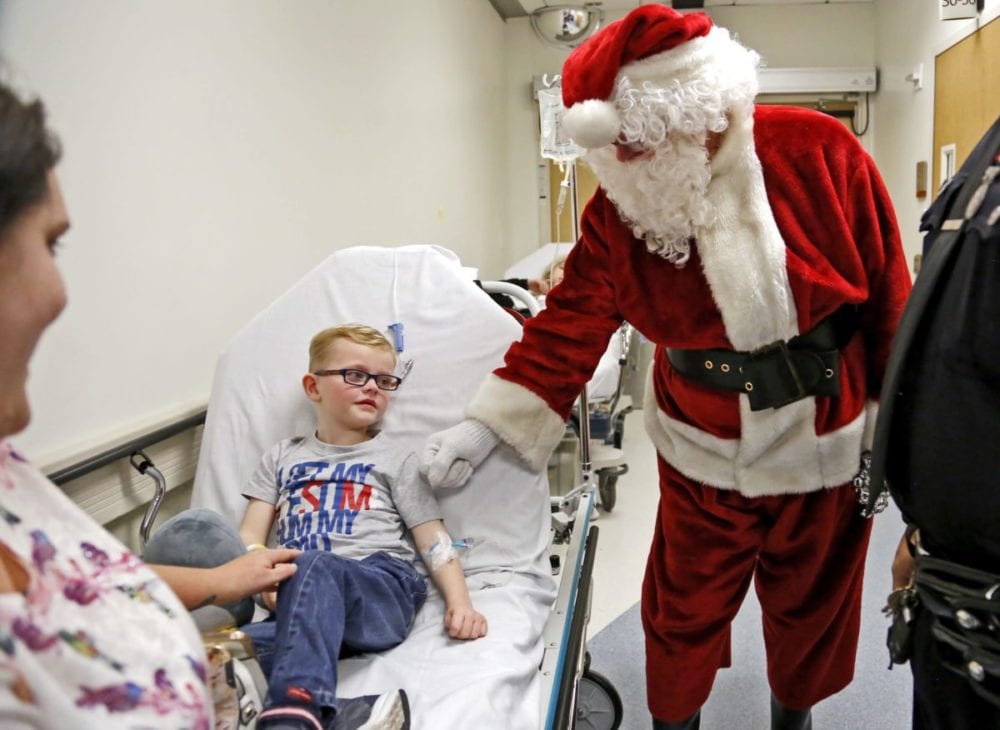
806 35
216 151
526 57
908 34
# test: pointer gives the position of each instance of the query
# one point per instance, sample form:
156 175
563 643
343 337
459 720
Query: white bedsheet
455 336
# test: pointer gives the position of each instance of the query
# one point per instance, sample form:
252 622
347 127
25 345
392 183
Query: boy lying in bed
346 496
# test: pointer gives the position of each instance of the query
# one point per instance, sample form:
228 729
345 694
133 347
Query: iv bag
555 145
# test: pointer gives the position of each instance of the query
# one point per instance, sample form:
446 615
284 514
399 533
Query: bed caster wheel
606 487
598 706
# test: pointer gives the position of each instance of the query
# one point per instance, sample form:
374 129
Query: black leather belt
781 372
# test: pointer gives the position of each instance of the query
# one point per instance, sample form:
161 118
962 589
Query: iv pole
565 151
586 465
574 200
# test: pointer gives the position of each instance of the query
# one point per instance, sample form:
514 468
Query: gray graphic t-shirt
351 500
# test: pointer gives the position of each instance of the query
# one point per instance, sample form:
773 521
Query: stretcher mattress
455 336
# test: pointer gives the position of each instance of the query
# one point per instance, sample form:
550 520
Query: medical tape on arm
440 553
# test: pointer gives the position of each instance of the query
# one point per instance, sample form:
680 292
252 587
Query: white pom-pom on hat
592 123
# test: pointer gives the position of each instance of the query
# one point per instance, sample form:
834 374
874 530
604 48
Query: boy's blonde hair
362 334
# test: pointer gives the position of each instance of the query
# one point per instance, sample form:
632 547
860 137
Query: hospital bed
529 670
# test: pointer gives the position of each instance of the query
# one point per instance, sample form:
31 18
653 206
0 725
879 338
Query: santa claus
757 248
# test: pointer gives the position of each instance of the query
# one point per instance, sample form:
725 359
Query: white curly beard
662 198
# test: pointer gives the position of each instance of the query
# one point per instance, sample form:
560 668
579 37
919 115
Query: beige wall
216 151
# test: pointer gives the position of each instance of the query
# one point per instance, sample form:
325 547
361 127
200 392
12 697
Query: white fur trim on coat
520 418
742 252
779 451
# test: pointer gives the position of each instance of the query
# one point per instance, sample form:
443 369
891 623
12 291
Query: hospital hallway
877 699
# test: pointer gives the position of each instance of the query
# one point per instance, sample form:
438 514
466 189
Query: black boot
692 723
785 718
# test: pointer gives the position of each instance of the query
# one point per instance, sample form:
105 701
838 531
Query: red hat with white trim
666 43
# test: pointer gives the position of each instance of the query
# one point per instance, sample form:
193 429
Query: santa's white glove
450 456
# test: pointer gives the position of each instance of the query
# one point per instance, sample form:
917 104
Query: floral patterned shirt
96 639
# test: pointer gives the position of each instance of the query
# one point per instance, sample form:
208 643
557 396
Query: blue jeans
333 605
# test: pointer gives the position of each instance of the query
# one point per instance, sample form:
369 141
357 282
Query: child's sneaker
389 711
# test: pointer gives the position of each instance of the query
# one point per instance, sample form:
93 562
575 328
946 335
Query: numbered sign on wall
957 9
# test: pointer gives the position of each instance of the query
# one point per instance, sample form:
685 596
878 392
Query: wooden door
966 94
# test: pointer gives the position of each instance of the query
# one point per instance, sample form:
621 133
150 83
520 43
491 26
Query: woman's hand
258 571
250 573
270 600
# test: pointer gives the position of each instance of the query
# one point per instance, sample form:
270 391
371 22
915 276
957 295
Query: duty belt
965 603
779 373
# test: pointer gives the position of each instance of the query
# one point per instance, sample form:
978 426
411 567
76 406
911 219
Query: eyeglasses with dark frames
352 376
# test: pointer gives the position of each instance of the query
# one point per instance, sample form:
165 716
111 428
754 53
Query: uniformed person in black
942 454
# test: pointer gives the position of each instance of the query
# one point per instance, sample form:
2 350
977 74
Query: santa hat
653 42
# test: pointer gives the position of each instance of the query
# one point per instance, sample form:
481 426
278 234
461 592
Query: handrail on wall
127 449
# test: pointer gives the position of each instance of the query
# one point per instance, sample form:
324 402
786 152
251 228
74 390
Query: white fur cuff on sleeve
520 418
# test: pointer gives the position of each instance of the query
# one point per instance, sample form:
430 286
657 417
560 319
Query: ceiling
520 8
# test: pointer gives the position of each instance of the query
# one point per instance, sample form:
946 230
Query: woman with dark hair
32 218
27 154
90 636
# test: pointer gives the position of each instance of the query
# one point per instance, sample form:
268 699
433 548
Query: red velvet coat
805 226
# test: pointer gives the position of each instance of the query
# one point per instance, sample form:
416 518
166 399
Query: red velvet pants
806 553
